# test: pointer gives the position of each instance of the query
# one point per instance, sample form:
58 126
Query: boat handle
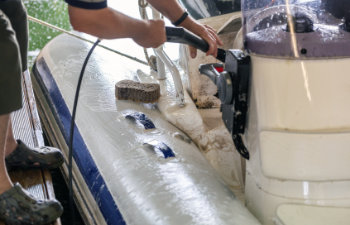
160 148
142 119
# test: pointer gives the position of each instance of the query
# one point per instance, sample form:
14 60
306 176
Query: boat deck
26 126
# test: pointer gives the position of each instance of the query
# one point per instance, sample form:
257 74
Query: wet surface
181 189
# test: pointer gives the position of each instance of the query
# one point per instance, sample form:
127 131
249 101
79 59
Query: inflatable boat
282 95
131 166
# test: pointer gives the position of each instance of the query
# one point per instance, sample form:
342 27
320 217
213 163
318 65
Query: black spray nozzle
180 35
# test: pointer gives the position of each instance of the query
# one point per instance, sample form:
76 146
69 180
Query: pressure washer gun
231 78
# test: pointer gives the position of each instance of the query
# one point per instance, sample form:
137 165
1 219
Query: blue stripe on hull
81 154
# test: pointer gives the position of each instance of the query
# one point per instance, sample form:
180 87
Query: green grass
50 11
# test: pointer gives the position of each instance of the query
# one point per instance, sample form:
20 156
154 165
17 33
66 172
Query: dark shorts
13 53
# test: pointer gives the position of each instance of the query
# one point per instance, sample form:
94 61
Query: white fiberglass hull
298 136
119 176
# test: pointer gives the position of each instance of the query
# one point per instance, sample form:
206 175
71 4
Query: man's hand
209 35
153 35
173 11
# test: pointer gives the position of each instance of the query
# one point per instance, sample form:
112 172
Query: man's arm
107 23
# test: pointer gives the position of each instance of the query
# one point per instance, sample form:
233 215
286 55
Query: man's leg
17 207
23 156
11 142
5 182
10 88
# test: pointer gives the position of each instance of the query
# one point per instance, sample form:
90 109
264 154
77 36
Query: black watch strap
181 19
